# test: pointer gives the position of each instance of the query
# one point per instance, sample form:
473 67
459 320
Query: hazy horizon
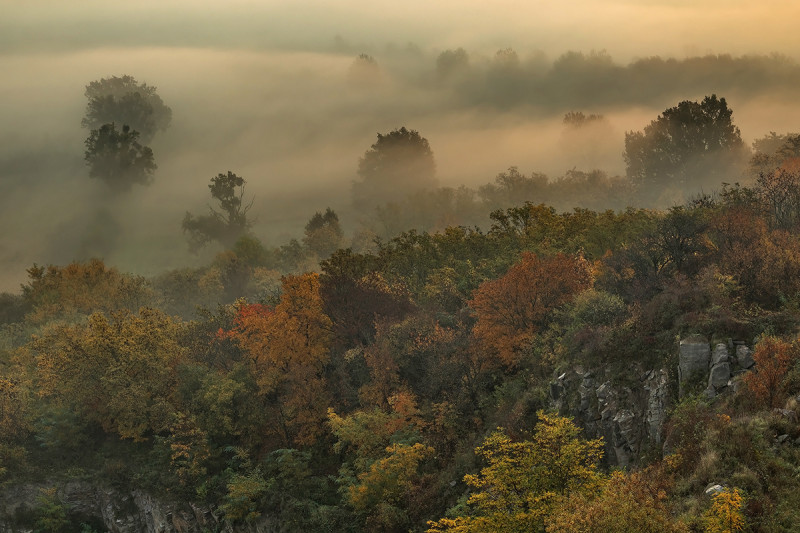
264 89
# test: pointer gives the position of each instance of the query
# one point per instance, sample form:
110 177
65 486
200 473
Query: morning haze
267 90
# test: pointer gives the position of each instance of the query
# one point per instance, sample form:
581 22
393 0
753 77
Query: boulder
744 357
719 376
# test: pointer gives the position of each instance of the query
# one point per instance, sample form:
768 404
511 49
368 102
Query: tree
578 119
118 372
225 225
123 100
689 144
779 190
323 234
288 348
774 151
398 163
773 358
725 514
452 63
523 481
81 289
117 158
511 309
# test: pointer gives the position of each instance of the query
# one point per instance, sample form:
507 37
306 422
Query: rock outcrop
629 418
694 356
134 512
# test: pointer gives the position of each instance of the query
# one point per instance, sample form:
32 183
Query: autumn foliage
513 308
288 349
773 358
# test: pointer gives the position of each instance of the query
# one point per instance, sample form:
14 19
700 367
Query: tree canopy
225 225
117 158
689 144
125 101
398 163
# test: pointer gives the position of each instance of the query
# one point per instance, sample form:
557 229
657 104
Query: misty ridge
296 125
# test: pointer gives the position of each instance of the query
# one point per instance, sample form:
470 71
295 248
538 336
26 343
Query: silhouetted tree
226 225
400 162
577 119
690 143
125 101
323 234
117 158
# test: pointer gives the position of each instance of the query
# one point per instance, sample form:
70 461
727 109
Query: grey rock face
694 357
628 418
121 512
720 354
657 388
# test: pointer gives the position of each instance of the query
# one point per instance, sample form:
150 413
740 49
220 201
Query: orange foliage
773 358
288 350
513 308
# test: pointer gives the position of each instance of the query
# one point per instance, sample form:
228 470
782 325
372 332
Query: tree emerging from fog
228 223
399 163
117 158
125 101
686 144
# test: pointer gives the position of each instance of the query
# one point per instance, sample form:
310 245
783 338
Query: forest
512 356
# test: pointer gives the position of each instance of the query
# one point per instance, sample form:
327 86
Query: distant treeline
594 80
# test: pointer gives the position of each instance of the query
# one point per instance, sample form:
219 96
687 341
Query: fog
267 90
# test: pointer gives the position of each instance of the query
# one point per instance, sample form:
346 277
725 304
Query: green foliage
689 144
116 372
243 500
51 513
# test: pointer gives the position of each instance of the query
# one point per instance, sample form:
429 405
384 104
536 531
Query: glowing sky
625 28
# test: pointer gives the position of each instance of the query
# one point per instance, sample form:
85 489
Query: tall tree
689 144
125 101
226 224
398 163
288 347
118 372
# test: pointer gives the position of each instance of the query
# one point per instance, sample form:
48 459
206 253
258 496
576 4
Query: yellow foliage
725 514
119 372
390 478
524 481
